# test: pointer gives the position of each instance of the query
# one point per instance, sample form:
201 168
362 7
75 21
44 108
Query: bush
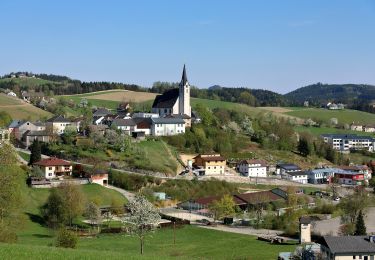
7 235
66 238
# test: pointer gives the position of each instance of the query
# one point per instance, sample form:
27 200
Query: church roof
167 99
184 77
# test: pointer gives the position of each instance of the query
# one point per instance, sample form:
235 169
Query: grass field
24 156
328 130
18 109
28 82
191 243
346 116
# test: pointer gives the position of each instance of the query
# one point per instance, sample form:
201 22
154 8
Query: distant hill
353 95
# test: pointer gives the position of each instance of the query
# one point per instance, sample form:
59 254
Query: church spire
184 77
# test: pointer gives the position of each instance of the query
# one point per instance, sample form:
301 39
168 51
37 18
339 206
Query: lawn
24 156
34 232
346 116
328 130
191 243
21 110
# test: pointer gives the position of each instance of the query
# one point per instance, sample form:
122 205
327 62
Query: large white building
175 101
167 126
253 168
345 143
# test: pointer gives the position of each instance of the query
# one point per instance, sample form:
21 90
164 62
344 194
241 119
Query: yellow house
54 167
211 163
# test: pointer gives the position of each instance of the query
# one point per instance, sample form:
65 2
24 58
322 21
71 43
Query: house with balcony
252 168
209 164
54 167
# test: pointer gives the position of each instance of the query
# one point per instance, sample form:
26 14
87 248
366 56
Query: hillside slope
18 109
318 94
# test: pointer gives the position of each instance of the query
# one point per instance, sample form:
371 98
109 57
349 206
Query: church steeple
184 77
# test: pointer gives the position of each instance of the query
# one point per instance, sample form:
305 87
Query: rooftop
167 120
288 166
349 244
58 119
167 99
52 161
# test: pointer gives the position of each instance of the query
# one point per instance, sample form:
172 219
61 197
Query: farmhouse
209 164
18 128
143 125
348 247
175 101
167 126
54 167
30 136
345 143
253 168
57 124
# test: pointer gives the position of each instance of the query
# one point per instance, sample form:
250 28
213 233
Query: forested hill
353 95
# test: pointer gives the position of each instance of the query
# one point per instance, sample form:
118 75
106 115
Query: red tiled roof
52 161
354 168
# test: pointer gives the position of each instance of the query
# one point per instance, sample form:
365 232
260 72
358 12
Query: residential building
167 126
297 176
348 247
143 125
101 112
369 128
364 169
18 128
210 164
174 101
253 168
322 175
100 178
350 178
4 135
57 124
125 125
356 127
345 143
54 167
281 168
30 136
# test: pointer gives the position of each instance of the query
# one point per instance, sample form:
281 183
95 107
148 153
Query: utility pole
174 232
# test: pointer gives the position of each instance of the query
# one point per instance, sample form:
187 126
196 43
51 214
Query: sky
275 45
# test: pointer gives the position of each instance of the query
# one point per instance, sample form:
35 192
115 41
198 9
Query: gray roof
167 99
297 173
123 122
101 112
349 244
288 166
58 119
347 137
37 133
184 77
15 123
168 120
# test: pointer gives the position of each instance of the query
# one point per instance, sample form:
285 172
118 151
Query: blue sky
275 45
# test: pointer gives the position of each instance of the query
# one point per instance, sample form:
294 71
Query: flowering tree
144 218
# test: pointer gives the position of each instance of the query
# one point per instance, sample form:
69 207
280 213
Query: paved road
127 194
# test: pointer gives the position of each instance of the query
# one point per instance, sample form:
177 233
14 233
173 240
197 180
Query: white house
297 176
145 115
167 126
12 94
54 167
57 124
282 168
253 168
126 125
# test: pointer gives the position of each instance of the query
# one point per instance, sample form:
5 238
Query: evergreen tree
360 227
36 152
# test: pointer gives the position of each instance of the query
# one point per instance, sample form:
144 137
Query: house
305 229
40 126
18 128
356 127
345 142
174 101
253 168
210 164
167 126
57 124
364 169
348 247
125 125
369 128
101 112
123 107
54 167
30 136
297 176
143 125
281 168
4 135
333 106
350 178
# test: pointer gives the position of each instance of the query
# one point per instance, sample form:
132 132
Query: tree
247 98
72 200
144 218
225 207
5 119
360 227
303 146
66 238
54 211
92 212
36 172
353 204
36 152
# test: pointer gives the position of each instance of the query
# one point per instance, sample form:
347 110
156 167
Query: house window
165 110
49 168
49 174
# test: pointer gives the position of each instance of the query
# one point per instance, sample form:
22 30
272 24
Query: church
175 103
